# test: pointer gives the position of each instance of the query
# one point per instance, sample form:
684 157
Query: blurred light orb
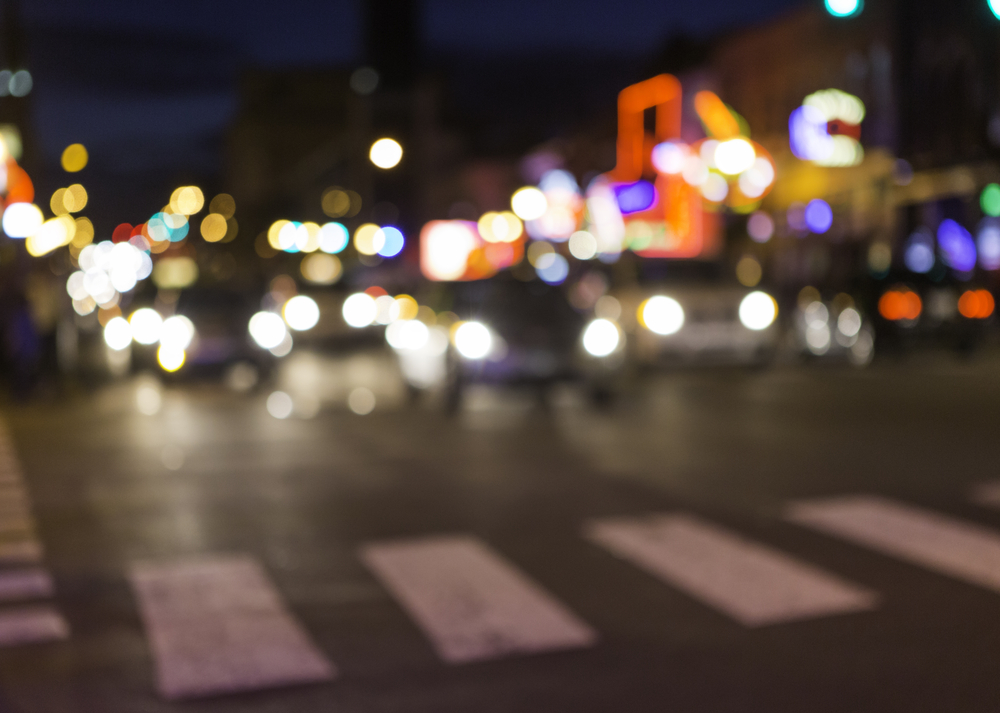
284 347
267 329
748 271
169 358
369 239
361 401
816 314
529 203
849 322
117 333
386 153
187 200
280 405
22 219
301 313
333 237
695 171
473 340
392 241
760 227
919 252
213 227
995 8
176 333
582 245
734 156
715 188
818 338
321 269
662 315
758 310
552 268
818 216
669 157
989 199
844 8
359 310
407 334
364 80
988 245
21 83
74 158
601 337
958 250
757 179
502 227
146 325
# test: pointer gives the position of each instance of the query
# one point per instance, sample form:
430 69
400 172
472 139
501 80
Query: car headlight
473 340
176 332
758 310
601 337
267 329
663 315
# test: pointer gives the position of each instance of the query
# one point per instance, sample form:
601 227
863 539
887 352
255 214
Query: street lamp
847 8
385 153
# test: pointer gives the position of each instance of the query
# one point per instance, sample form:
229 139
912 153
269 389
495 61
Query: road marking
217 625
28 625
25 584
987 494
470 602
959 549
753 584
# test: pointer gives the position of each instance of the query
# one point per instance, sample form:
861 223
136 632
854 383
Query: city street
737 601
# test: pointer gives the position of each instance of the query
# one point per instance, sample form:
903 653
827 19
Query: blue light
957 247
634 197
919 253
818 216
552 268
394 241
846 8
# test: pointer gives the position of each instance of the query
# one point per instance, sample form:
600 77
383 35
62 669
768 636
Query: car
514 333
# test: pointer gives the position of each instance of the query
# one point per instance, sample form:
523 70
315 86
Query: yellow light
84 233
734 156
187 200
405 307
170 359
500 227
748 271
53 233
74 158
386 153
368 239
274 231
224 205
321 269
213 227
75 198
175 273
58 202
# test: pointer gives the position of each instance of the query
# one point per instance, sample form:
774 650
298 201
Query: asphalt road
212 473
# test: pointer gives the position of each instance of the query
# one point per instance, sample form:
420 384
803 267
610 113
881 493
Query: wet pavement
483 533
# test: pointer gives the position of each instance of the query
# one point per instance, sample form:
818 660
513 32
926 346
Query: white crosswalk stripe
753 584
471 603
942 544
217 625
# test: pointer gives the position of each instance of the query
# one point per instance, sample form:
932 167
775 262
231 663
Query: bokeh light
818 215
760 227
359 310
662 315
176 333
528 203
267 329
301 313
473 340
989 199
758 310
213 227
74 158
368 239
976 304
169 358
117 333
392 241
21 219
843 8
146 324
601 337
386 153
321 269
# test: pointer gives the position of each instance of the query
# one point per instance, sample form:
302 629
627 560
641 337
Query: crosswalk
217 623
25 585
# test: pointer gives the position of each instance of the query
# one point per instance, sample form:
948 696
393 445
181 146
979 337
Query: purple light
958 250
819 216
807 134
634 197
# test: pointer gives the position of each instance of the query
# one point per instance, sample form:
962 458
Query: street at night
729 450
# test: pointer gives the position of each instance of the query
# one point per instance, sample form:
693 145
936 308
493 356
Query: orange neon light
715 115
663 92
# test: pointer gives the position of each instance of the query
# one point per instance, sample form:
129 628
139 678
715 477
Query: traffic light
848 8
